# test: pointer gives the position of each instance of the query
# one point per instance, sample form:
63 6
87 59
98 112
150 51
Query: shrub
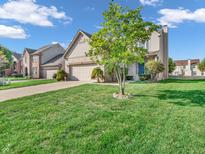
28 77
201 66
144 77
129 78
17 75
61 75
154 68
98 74
54 76
172 65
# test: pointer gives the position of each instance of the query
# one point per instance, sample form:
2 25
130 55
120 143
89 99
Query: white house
187 68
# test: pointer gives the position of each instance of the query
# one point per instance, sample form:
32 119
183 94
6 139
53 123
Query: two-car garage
81 72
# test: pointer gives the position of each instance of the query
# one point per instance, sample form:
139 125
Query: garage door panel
82 72
50 73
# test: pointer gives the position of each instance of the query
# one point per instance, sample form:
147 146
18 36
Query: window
142 45
194 73
35 59
193 66
34 71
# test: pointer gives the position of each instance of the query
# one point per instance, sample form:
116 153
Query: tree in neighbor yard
117 43
154 68
201 65
172 65
5 58
3 61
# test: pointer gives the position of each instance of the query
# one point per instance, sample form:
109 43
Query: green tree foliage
61 75
5 58
116 44
172 65
98 74
201 65
154 68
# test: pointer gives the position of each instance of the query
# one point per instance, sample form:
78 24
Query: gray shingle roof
17 55
55 61
44 48
30 50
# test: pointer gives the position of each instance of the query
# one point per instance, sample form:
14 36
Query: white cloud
98 27
62 44
28 11
14 32
150 2
89 8
172 17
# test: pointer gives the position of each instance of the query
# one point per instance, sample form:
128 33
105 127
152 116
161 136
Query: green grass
26 84
167 117
16 78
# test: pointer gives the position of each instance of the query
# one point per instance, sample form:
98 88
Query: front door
35 72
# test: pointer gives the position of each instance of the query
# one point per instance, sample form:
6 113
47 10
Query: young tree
154 68
97 73
5 58
172 65
201 65
116 44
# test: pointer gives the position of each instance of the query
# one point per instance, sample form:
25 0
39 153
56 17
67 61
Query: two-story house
16 66
187 68
35 62
80 66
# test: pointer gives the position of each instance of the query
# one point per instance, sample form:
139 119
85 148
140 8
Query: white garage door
82 72
50 73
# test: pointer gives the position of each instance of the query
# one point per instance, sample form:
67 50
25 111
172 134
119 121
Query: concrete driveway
32 90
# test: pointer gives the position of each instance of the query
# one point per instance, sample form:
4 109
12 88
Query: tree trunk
98 80
123 80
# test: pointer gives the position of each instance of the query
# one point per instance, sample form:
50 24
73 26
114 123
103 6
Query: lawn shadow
183 98
182 81
170 81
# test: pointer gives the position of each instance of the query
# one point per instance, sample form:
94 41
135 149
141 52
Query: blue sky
34 23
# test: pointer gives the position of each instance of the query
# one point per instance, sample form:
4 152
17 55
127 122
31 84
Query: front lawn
161 118
26 84
16 78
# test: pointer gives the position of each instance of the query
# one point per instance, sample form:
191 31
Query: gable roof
46 47
30 51
54 61
75 39
17 55
40 50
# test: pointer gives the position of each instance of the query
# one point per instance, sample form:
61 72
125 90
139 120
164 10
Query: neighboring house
16 67
79 66
43 62
187 68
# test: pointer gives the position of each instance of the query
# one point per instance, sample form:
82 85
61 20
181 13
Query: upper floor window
143 45
25 59
35 59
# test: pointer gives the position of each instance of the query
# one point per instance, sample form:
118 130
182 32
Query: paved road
32 90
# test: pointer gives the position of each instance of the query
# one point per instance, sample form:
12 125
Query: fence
4 81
